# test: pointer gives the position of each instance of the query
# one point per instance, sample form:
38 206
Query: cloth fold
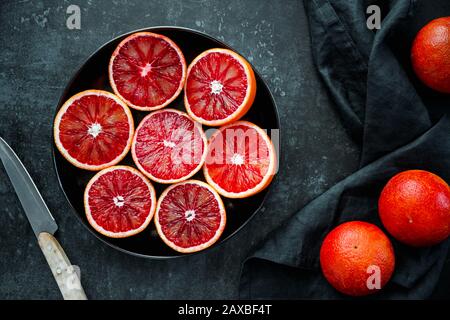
381 108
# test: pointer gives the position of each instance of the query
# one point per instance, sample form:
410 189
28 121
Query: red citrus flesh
430 54
147 71
190 216
169 146
220 87
353 255
93 130
240 161
414 207
119 202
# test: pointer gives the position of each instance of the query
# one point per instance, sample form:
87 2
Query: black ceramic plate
93 74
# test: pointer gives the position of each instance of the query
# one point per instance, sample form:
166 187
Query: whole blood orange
147 71
241 160
190 216
414 207
220 87
169 146
357 258
93 130
119 202
430 54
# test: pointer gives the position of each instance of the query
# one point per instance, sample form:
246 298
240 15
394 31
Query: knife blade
36 210
42 223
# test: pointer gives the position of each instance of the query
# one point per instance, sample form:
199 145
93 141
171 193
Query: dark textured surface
38 57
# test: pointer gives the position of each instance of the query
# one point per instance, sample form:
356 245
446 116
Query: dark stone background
38 55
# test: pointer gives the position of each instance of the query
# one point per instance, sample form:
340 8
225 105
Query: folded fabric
387 112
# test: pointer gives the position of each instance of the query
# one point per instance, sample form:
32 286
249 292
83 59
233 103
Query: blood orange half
93 130
147 71
119 202
241 160
220 87
190 216
168 146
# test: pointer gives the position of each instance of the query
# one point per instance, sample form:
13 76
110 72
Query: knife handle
66 277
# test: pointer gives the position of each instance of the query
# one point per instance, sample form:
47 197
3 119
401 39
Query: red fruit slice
119 202
169 146
240 161
93 130
147 71
190 216
220 87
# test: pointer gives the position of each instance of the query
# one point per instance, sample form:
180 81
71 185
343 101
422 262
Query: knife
43 225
